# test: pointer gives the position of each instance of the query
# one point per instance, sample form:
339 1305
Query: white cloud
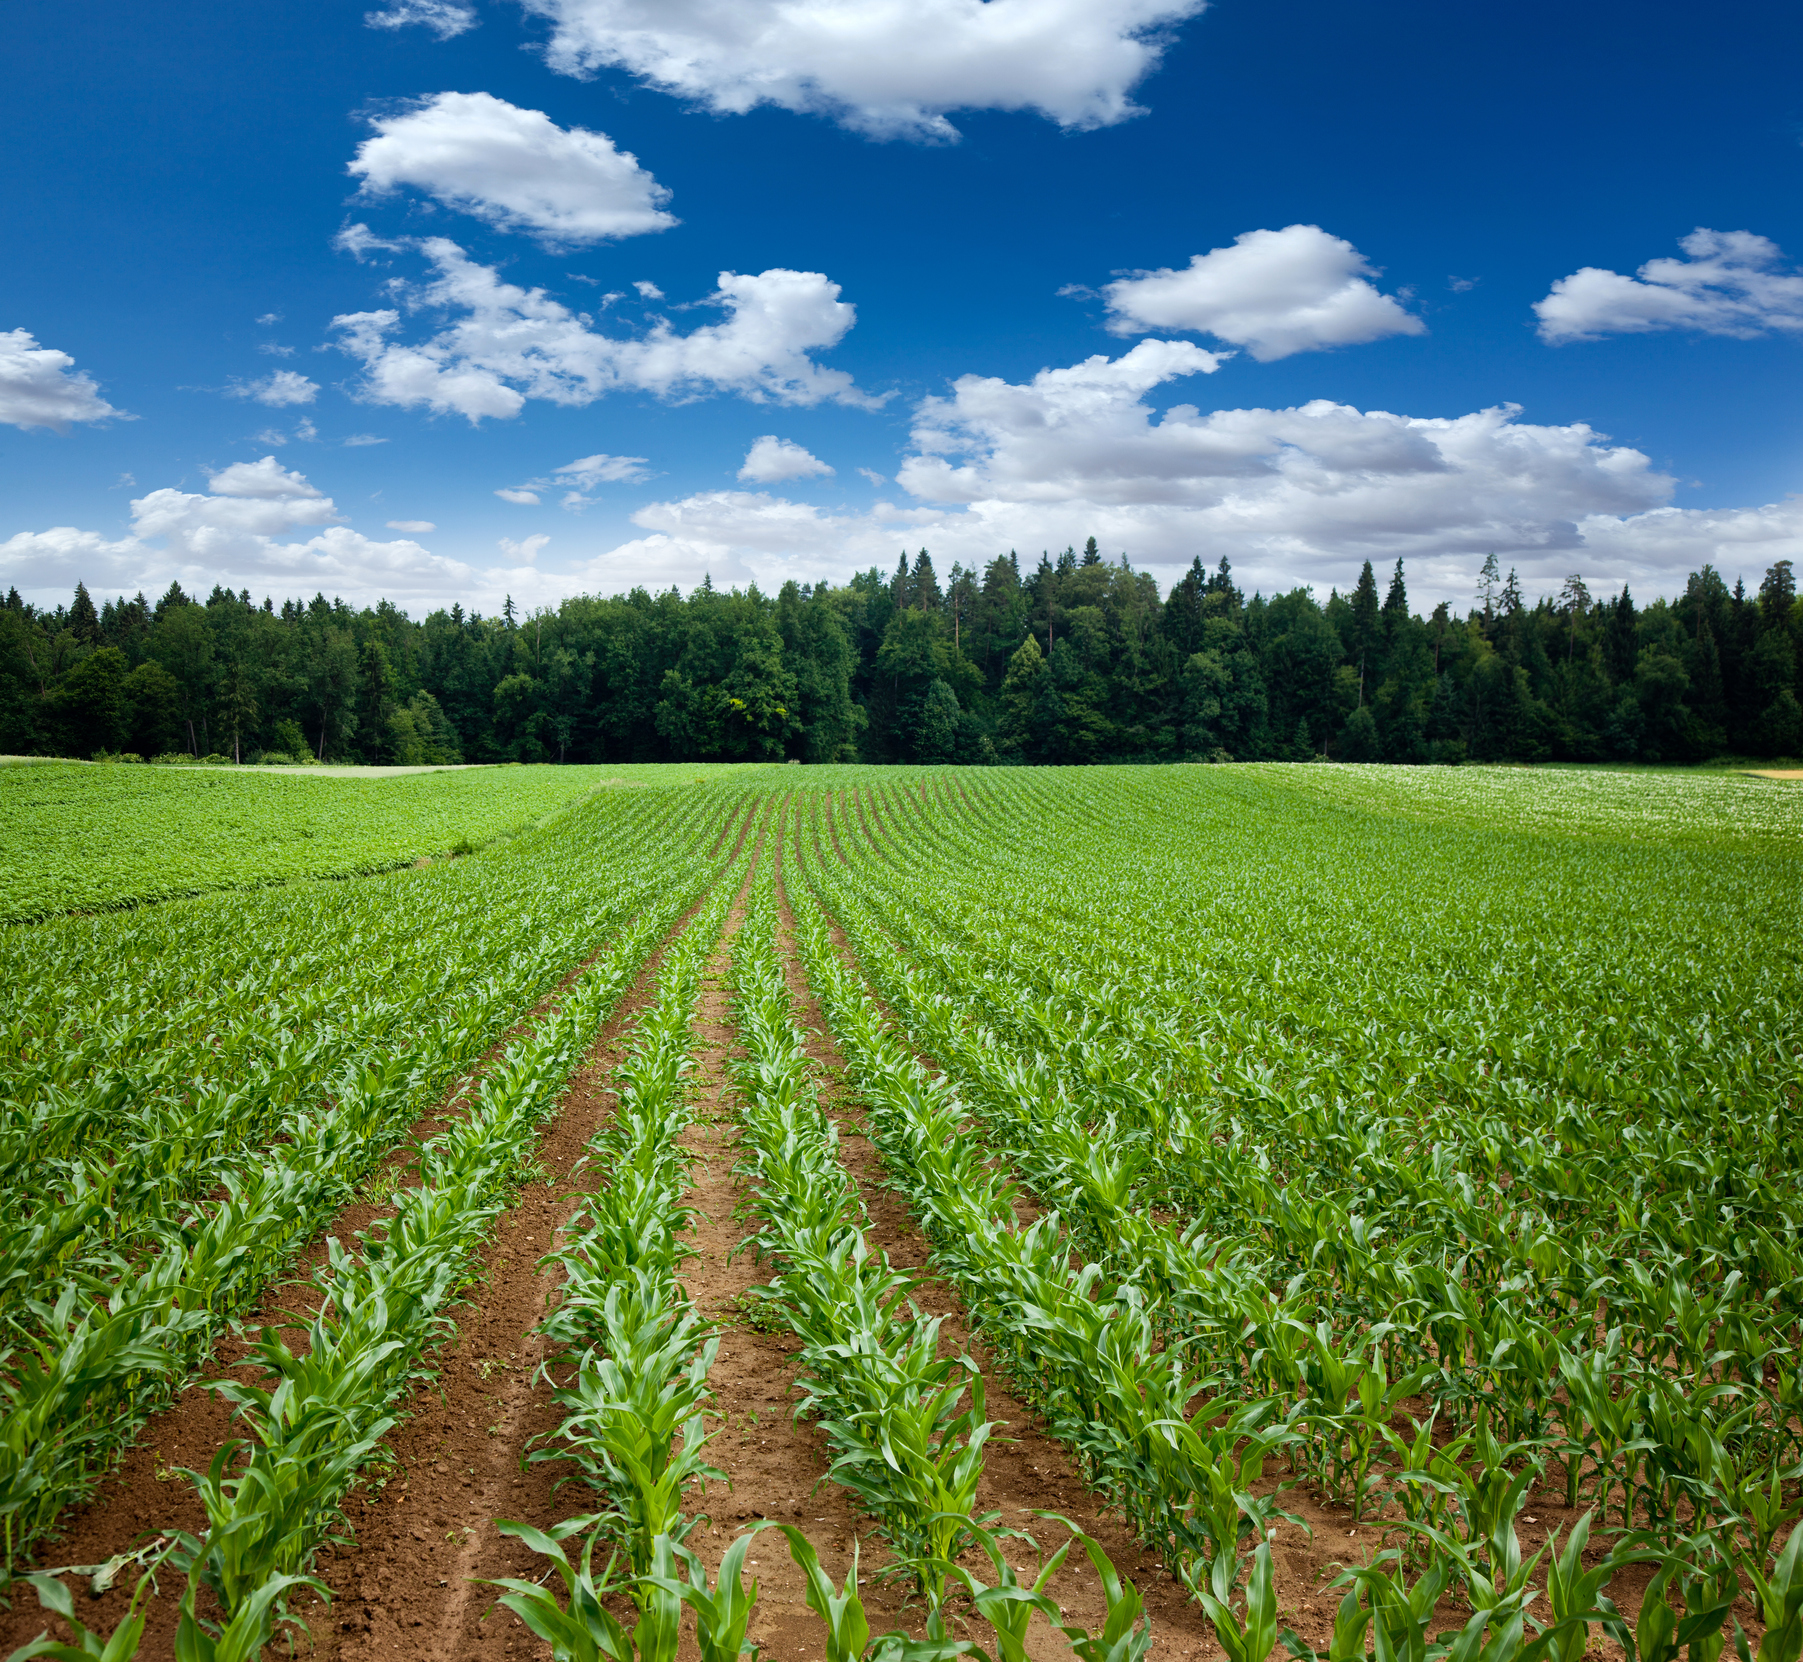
505 344
444 18
359 241
1290 495
357 440
273 436
230 537
266 480
586 472
877 479
578 477
771 459
413 527
648 291
270 317
276 351
1273 292
277 389
525 551
41 387
1068 432
891 68
1734 283
305 431
515 169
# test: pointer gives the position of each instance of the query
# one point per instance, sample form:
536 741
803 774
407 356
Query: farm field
1361 1204
76 838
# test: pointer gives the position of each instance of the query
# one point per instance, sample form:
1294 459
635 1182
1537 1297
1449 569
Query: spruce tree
84 621
1364 624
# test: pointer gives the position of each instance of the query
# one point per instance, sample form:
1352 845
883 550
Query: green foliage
85 838
826 674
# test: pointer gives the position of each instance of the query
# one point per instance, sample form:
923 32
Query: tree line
1079 660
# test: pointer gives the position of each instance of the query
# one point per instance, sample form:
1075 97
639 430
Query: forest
1080 660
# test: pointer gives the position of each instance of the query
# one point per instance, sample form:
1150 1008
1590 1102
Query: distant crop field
1360 1206
82 838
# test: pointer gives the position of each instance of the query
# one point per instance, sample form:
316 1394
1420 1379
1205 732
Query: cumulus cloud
1290 495
413 527
1273 292
231 535
41 387
267 480
504 344
358 440
445 18
1734 283
889 68
282 387
524 551
771 459
514 493
648 290
1067 432
515 169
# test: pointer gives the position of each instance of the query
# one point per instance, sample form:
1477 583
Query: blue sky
1381 196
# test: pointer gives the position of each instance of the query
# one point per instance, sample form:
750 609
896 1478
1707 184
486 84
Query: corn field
1291 1151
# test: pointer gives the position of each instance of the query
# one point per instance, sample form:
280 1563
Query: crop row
100 1350
1290 1349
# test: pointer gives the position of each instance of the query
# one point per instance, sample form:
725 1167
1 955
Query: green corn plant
1399 1612
1708 1592
582 1628
1421 1483
1249 1634
1576 1593
911 1454
1779 1591
251 1627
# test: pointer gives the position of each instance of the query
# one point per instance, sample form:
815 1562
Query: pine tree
1396 600
1623 646
1092 555
1364 623
1487 580
923 590
84 621
1574 601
